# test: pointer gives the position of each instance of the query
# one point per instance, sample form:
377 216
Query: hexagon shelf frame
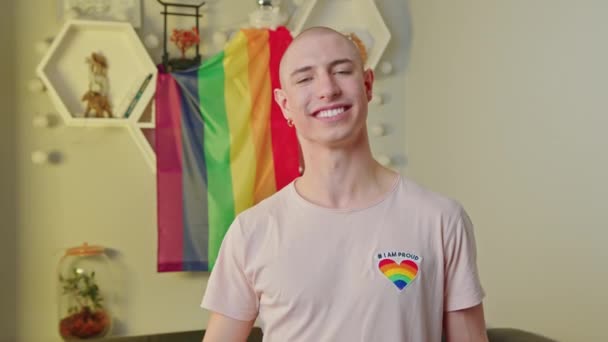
65 73
142 132
359 16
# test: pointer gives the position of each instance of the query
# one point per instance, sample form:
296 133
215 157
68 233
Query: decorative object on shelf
98 103
64 72
138 95
96 96
268 14
84 293
180 64
357 16
104 10
219 150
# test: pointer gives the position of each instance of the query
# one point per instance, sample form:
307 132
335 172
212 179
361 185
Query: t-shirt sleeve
229 291
462 283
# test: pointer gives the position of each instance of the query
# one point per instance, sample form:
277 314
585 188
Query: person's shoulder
426 200
266 210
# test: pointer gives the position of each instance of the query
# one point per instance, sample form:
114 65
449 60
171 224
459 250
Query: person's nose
327 87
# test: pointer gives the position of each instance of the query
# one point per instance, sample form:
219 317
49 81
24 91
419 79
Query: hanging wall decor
184 39
98 73
222 145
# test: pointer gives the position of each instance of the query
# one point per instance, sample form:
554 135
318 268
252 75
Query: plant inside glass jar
87 318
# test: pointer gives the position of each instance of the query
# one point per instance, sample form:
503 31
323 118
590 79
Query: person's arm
225 329
230 297
463 318
466 325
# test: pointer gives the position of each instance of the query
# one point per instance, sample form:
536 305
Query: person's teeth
330 112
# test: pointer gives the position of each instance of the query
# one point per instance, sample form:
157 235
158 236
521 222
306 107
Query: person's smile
332 113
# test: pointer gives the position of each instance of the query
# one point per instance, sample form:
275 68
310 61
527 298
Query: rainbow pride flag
222 145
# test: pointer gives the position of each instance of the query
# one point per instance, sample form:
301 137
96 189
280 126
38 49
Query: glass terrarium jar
84 292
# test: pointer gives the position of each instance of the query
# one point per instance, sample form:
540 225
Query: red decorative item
185 39
85 293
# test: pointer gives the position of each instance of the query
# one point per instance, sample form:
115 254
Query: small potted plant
86 315
184 40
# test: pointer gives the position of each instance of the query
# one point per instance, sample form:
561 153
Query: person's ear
281 99
368 82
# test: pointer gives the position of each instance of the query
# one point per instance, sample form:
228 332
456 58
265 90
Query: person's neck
344 179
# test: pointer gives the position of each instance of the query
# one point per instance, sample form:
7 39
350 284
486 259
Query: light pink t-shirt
387 272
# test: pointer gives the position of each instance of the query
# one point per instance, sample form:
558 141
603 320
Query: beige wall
506 110
103 193
8 262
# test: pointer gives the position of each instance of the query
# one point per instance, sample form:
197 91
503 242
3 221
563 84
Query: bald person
350 250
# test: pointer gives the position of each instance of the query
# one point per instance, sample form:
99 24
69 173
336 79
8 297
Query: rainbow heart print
400 274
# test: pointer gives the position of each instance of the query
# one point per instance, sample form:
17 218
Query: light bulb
43 45
35 86
205 49
46 157
40 157
219 38
376 99
384 160
268 3
386 68
152 41
41 120
378 130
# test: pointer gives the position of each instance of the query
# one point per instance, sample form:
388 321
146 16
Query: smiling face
325 90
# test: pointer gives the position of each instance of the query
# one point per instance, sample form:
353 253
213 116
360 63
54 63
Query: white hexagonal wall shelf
358 16
143 133
131 73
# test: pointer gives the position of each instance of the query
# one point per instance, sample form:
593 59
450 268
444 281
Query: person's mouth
331 113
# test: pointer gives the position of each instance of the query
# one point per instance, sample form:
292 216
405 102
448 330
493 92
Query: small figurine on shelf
184 40
97 95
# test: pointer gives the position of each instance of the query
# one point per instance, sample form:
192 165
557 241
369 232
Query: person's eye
343 72
303 80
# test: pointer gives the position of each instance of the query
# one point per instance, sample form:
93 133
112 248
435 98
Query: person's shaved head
325 89
306 39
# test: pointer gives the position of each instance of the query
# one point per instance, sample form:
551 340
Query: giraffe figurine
96 97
